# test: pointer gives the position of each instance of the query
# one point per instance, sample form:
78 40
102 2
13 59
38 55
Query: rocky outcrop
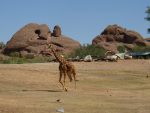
34 39
114 35
64 43
57 31
147 39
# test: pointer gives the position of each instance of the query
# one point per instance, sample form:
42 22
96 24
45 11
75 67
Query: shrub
14 54
88 50
121 49
141 49
1 58
29 56
18 60
2 45
39 59
14 60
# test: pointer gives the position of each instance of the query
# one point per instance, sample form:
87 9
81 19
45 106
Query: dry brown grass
103 87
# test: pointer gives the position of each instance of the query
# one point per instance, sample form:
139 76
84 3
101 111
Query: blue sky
80 19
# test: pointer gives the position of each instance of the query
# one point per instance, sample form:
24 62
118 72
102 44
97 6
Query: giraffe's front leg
65 81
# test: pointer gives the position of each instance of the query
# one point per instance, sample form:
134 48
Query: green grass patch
18 60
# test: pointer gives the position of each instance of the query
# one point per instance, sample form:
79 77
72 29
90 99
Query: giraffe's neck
58 57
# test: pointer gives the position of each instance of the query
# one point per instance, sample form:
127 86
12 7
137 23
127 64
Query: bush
29 56
2 45
121 49
141 49
1 58
18 60
88 50
39 59
14 54
14 60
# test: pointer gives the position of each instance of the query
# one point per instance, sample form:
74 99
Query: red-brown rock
34 39
56 31
114 35
29 38
64 43
147 39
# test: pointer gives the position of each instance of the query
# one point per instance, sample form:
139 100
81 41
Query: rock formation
56 31
147 39
114 35
64 43
33 39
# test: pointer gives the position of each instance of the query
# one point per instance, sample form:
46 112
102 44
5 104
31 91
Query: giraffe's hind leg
60 77
69 75
74 77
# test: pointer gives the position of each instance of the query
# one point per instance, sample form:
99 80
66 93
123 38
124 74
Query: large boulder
65 43
104 42
57 31
147 39
114 35
88 58
34 39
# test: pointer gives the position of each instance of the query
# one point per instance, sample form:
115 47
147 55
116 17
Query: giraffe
66 68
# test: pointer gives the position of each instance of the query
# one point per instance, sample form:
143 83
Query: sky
81 20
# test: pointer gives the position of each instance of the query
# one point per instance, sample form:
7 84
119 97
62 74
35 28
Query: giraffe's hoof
66 89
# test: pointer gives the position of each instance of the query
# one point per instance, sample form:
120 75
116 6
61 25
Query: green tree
121 49
148 16
88 50
2 45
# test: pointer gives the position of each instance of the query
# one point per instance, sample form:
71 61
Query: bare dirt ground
103 87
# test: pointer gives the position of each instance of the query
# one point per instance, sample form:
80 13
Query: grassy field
103 87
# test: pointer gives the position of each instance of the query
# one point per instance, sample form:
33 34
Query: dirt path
103 87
